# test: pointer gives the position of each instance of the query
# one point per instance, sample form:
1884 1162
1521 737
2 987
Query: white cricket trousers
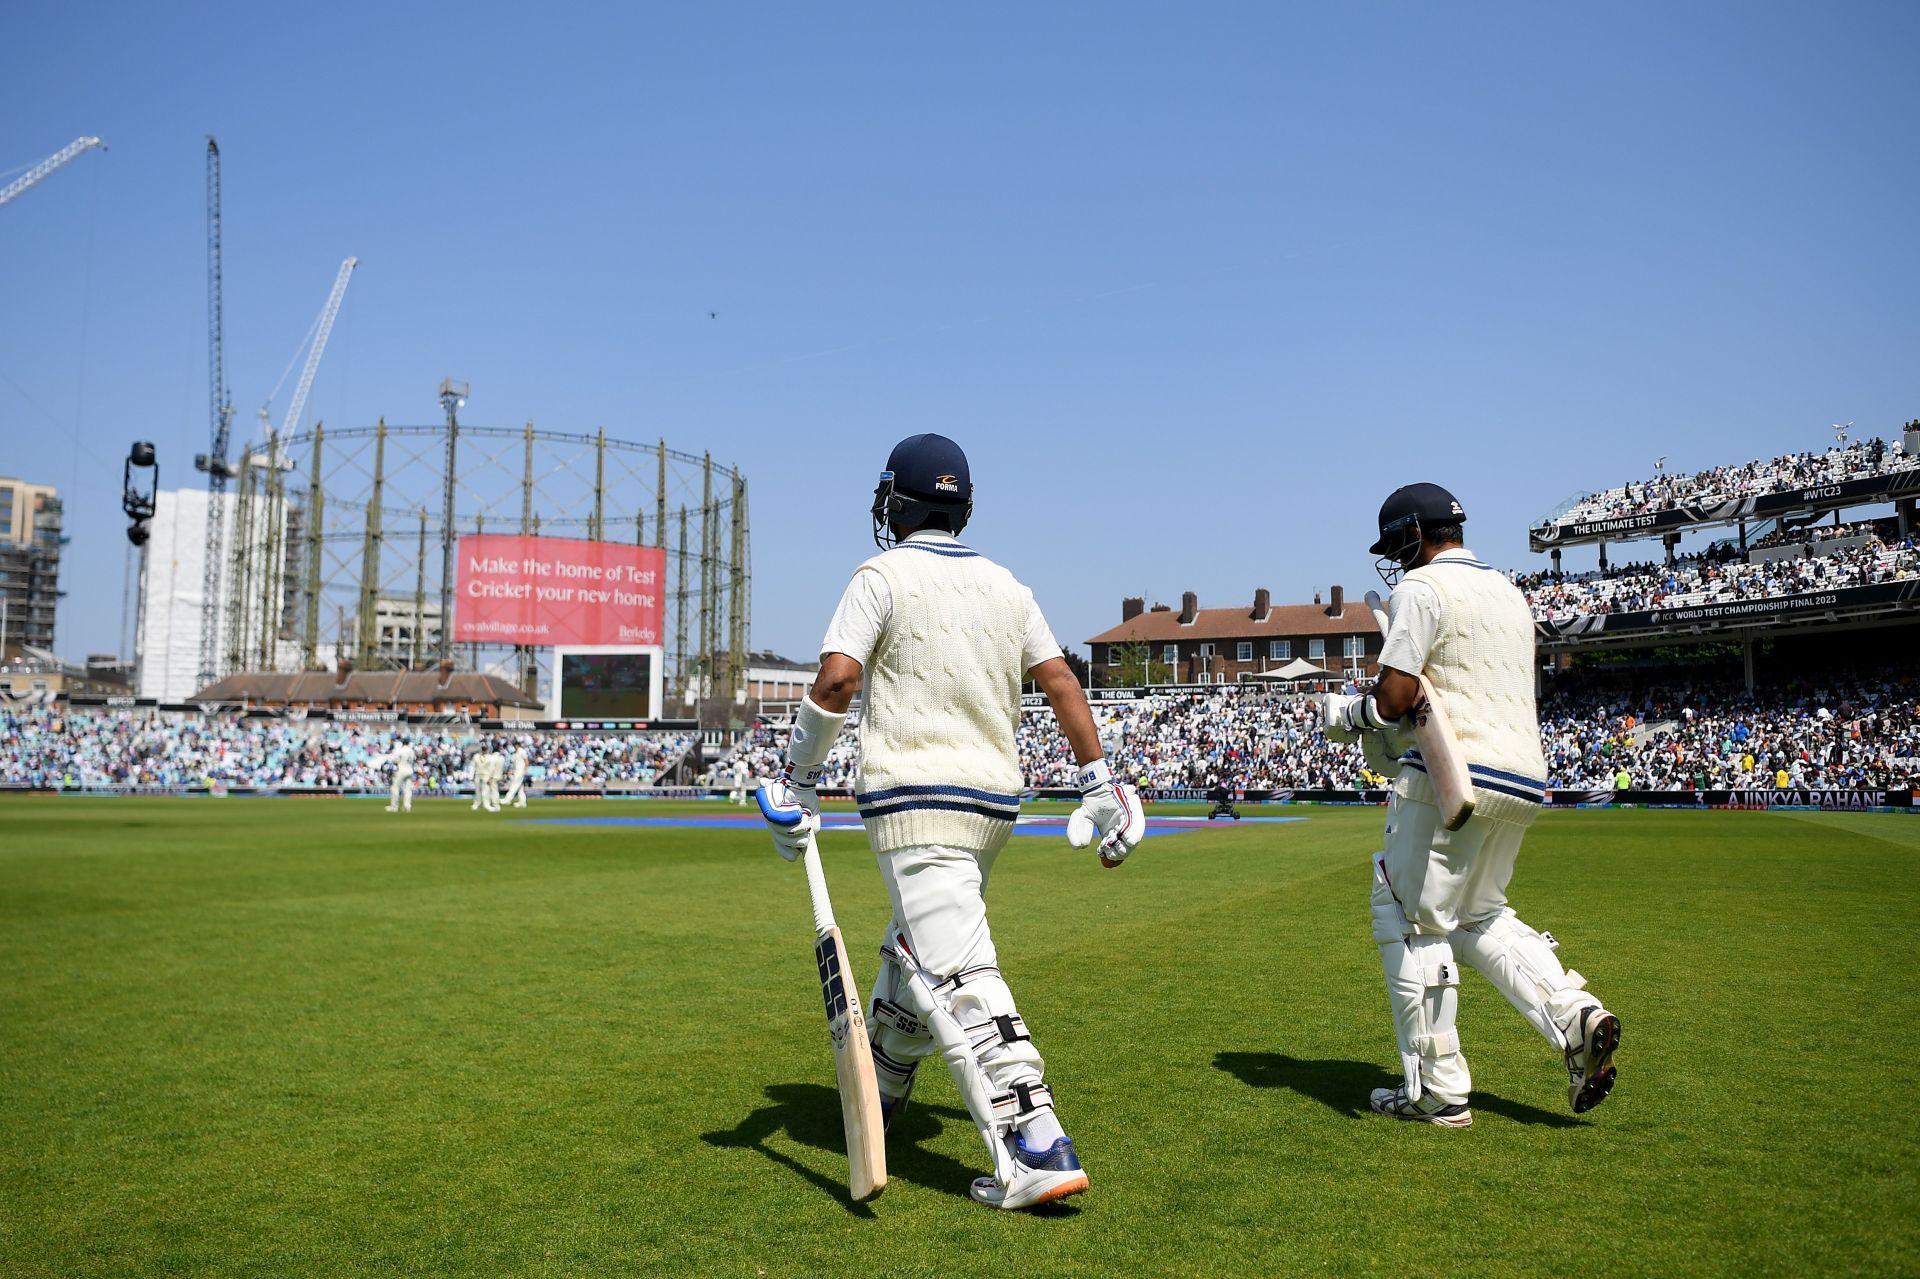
1441 878
939 901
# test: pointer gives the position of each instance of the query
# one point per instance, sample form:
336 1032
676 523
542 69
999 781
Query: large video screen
606 686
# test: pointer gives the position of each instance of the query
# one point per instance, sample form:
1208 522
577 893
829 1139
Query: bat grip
817 889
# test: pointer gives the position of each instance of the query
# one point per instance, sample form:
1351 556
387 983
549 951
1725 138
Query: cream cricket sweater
938 762
1481 669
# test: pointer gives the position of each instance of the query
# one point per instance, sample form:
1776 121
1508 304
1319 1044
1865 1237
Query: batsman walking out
1459 635
942 638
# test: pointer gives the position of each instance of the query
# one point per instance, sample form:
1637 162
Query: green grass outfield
308 1038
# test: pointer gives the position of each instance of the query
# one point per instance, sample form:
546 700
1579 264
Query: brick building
1229 645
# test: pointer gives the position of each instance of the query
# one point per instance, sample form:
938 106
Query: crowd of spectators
1860 731
1719 484
1712 578
1835 733
49 746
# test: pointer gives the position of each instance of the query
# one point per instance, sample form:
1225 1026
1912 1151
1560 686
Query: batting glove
792 810
1110 811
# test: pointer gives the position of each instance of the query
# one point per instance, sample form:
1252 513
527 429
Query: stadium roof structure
364 688
1281 621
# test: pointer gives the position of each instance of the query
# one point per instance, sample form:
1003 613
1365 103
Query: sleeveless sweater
938 758
1481 669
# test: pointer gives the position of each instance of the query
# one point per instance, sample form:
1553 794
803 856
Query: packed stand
1719 484
1830 732
1711 579
44 746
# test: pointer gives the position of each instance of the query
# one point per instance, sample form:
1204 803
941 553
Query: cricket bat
1439 747
852 1055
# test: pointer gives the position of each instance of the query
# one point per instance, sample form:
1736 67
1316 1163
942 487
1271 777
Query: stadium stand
1847 731
55 748
1712 578
1860 459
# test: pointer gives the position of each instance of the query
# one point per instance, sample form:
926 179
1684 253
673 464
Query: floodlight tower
453 398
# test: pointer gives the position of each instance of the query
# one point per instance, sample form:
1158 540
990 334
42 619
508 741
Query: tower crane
70 151
322 329
214 461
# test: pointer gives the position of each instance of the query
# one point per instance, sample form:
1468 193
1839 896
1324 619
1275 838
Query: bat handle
817 889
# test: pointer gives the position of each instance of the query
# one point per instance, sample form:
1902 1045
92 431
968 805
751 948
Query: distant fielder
400 796
516 795
942 638
1439 895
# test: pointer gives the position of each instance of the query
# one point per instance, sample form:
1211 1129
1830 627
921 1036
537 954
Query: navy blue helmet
926 482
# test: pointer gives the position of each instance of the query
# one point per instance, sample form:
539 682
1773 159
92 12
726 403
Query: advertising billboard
554 591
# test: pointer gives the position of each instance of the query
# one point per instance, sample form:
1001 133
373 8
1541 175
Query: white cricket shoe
1591 1042
1393 1102
1038 1177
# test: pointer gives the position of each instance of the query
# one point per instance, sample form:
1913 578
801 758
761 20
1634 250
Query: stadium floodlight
1840 431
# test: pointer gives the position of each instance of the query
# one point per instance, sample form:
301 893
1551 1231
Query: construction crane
322 328
73 149
214 461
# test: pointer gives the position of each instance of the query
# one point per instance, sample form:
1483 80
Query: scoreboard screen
606 686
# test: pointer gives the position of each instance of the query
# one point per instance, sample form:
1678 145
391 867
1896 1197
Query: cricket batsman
1440 896
400 796
517 784
941 637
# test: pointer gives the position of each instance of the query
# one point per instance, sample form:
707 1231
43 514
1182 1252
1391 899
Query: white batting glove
1110 811
792 810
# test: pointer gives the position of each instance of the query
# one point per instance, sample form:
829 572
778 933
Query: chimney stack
1262 604
1132 606
342 671
1339 606
1189 608
446 673
1316 597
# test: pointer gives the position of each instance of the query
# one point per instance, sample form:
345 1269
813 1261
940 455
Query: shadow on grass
810 1115
1343 1086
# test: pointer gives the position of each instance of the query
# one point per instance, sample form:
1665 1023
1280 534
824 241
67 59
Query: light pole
453 398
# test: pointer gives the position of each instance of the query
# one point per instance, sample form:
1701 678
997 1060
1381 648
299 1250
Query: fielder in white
942 638
1439 896
400 796
488 767
516 795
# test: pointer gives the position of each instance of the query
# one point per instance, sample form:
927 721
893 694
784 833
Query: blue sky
1194 285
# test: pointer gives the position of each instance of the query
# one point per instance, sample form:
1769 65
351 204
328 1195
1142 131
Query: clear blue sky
1194 285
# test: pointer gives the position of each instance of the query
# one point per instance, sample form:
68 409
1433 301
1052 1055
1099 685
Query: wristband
1093 775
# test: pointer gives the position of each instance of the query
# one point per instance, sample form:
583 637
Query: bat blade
1446 764
853 1069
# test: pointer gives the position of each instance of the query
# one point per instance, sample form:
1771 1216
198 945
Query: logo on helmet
946 483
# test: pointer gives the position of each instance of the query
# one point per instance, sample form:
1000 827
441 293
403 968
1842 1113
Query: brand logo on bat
832 988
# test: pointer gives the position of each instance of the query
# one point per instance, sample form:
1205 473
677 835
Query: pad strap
1437 1045
1013 1107
887 1013
997 1030
900 1071
964 976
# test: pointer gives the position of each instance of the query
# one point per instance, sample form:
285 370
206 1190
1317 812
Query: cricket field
307 1037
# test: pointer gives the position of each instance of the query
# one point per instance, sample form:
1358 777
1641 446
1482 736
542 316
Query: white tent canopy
1298 668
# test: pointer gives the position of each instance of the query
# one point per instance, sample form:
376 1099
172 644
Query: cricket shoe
1039 1176
1393 1102
392 809
1591 1042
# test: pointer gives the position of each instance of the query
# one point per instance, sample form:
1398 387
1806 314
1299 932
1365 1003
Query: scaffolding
343 573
